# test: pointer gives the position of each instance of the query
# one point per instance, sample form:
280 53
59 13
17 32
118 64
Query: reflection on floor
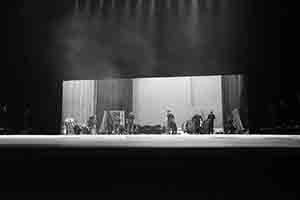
183 140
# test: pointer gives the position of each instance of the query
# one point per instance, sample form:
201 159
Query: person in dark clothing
284 114
228 125
197 120
91 123
211 117
273 116
27 117
130 123
172 127
3 116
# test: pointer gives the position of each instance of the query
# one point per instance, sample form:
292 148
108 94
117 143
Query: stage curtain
234 95
79 99
113 94
153 37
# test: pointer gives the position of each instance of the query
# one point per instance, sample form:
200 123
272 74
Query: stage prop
113 122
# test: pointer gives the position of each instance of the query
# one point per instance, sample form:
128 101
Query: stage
151 141
179 163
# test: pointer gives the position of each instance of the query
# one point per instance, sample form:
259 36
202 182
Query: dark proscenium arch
237 37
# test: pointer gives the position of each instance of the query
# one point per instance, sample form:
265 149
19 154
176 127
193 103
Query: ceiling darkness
60 40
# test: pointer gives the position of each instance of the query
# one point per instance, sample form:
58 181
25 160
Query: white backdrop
183 95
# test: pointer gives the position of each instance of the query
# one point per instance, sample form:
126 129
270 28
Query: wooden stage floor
151 141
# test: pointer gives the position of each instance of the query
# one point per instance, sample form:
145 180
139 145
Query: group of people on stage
197 125
194 126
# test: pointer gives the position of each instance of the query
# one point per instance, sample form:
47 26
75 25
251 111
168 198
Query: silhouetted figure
77 129
284 114
3 116
197 121
272 114
211 117
130 123
228 126
188 127
172 127
27 118
91 123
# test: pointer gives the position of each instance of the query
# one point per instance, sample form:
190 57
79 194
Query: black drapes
234 95
113 94
143 38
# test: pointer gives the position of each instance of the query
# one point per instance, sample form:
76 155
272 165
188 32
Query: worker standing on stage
171 124
92 122
3 116
211 117
130 123
27 117
197 122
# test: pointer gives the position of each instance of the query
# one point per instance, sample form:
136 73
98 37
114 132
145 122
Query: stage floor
156 141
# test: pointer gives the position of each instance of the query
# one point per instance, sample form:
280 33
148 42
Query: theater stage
149 141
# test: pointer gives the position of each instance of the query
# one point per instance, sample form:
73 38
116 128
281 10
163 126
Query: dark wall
35 68
29 75
267 80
